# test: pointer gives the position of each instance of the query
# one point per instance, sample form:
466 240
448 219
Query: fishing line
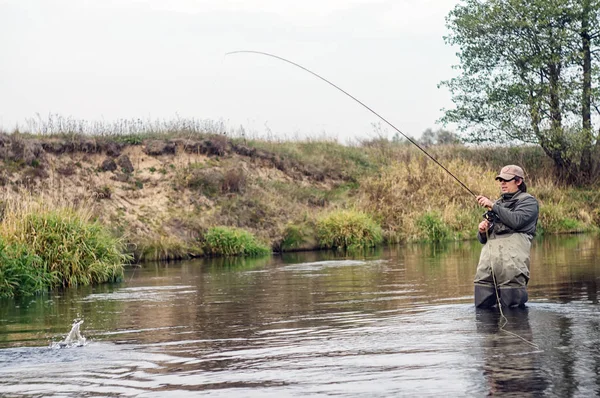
361 103
499 303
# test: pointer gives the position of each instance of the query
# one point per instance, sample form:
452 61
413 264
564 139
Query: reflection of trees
571 354
444 271
566 268
594 351
568 384
217 264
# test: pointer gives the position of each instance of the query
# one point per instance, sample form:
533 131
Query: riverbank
162 192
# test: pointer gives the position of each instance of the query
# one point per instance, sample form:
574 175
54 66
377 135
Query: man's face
508 186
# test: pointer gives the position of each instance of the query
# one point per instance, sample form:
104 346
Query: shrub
569 224
226 241
348 229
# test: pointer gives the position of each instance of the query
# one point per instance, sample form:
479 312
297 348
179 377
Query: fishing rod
488 215
361 103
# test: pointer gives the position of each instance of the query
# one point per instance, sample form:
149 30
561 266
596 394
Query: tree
438 137
529 73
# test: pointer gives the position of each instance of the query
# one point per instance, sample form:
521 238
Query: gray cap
509 172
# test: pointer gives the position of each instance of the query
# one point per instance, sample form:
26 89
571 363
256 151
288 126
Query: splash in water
73 339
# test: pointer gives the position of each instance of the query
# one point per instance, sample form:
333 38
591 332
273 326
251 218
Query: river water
394 322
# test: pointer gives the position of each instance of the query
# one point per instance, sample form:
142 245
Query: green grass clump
557 218
226 241
22 273
299 236
166 248
70 246
348 229
433 227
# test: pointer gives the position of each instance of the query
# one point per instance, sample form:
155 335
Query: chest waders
503 270
505 261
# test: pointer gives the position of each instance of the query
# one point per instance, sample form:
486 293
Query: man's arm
524 213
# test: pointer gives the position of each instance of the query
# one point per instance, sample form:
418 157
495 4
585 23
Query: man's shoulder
525 197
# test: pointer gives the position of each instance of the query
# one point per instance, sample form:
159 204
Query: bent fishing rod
361 103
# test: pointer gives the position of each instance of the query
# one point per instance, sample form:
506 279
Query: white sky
156 59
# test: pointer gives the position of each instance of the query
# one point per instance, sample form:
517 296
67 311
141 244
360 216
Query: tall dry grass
416 200
408 190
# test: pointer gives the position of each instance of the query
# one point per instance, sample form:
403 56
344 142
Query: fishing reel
490 216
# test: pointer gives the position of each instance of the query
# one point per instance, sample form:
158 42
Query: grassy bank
163 191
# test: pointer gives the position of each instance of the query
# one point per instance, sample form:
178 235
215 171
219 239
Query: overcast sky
158 59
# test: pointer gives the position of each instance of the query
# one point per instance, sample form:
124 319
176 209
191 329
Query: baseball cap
509 172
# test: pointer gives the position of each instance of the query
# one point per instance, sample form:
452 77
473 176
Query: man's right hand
484 226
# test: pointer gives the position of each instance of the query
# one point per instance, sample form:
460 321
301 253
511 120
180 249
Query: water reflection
381 323
511 364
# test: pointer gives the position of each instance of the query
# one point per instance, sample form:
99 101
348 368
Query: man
507 232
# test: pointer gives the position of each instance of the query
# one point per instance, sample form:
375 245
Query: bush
225 241
348 229
22 273
76 250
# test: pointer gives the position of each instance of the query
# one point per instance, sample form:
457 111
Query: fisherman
506 232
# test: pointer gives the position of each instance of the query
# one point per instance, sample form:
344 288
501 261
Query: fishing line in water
361 103
499 303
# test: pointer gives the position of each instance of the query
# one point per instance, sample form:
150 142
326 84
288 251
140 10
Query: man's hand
484 202
483 226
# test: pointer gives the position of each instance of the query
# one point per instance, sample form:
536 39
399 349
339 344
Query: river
392 322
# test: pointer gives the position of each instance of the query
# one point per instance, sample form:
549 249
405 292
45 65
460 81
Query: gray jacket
516 212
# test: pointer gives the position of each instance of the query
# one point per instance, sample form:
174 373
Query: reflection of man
511 366
507 235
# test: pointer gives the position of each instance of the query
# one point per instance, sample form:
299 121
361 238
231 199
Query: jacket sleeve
524 213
